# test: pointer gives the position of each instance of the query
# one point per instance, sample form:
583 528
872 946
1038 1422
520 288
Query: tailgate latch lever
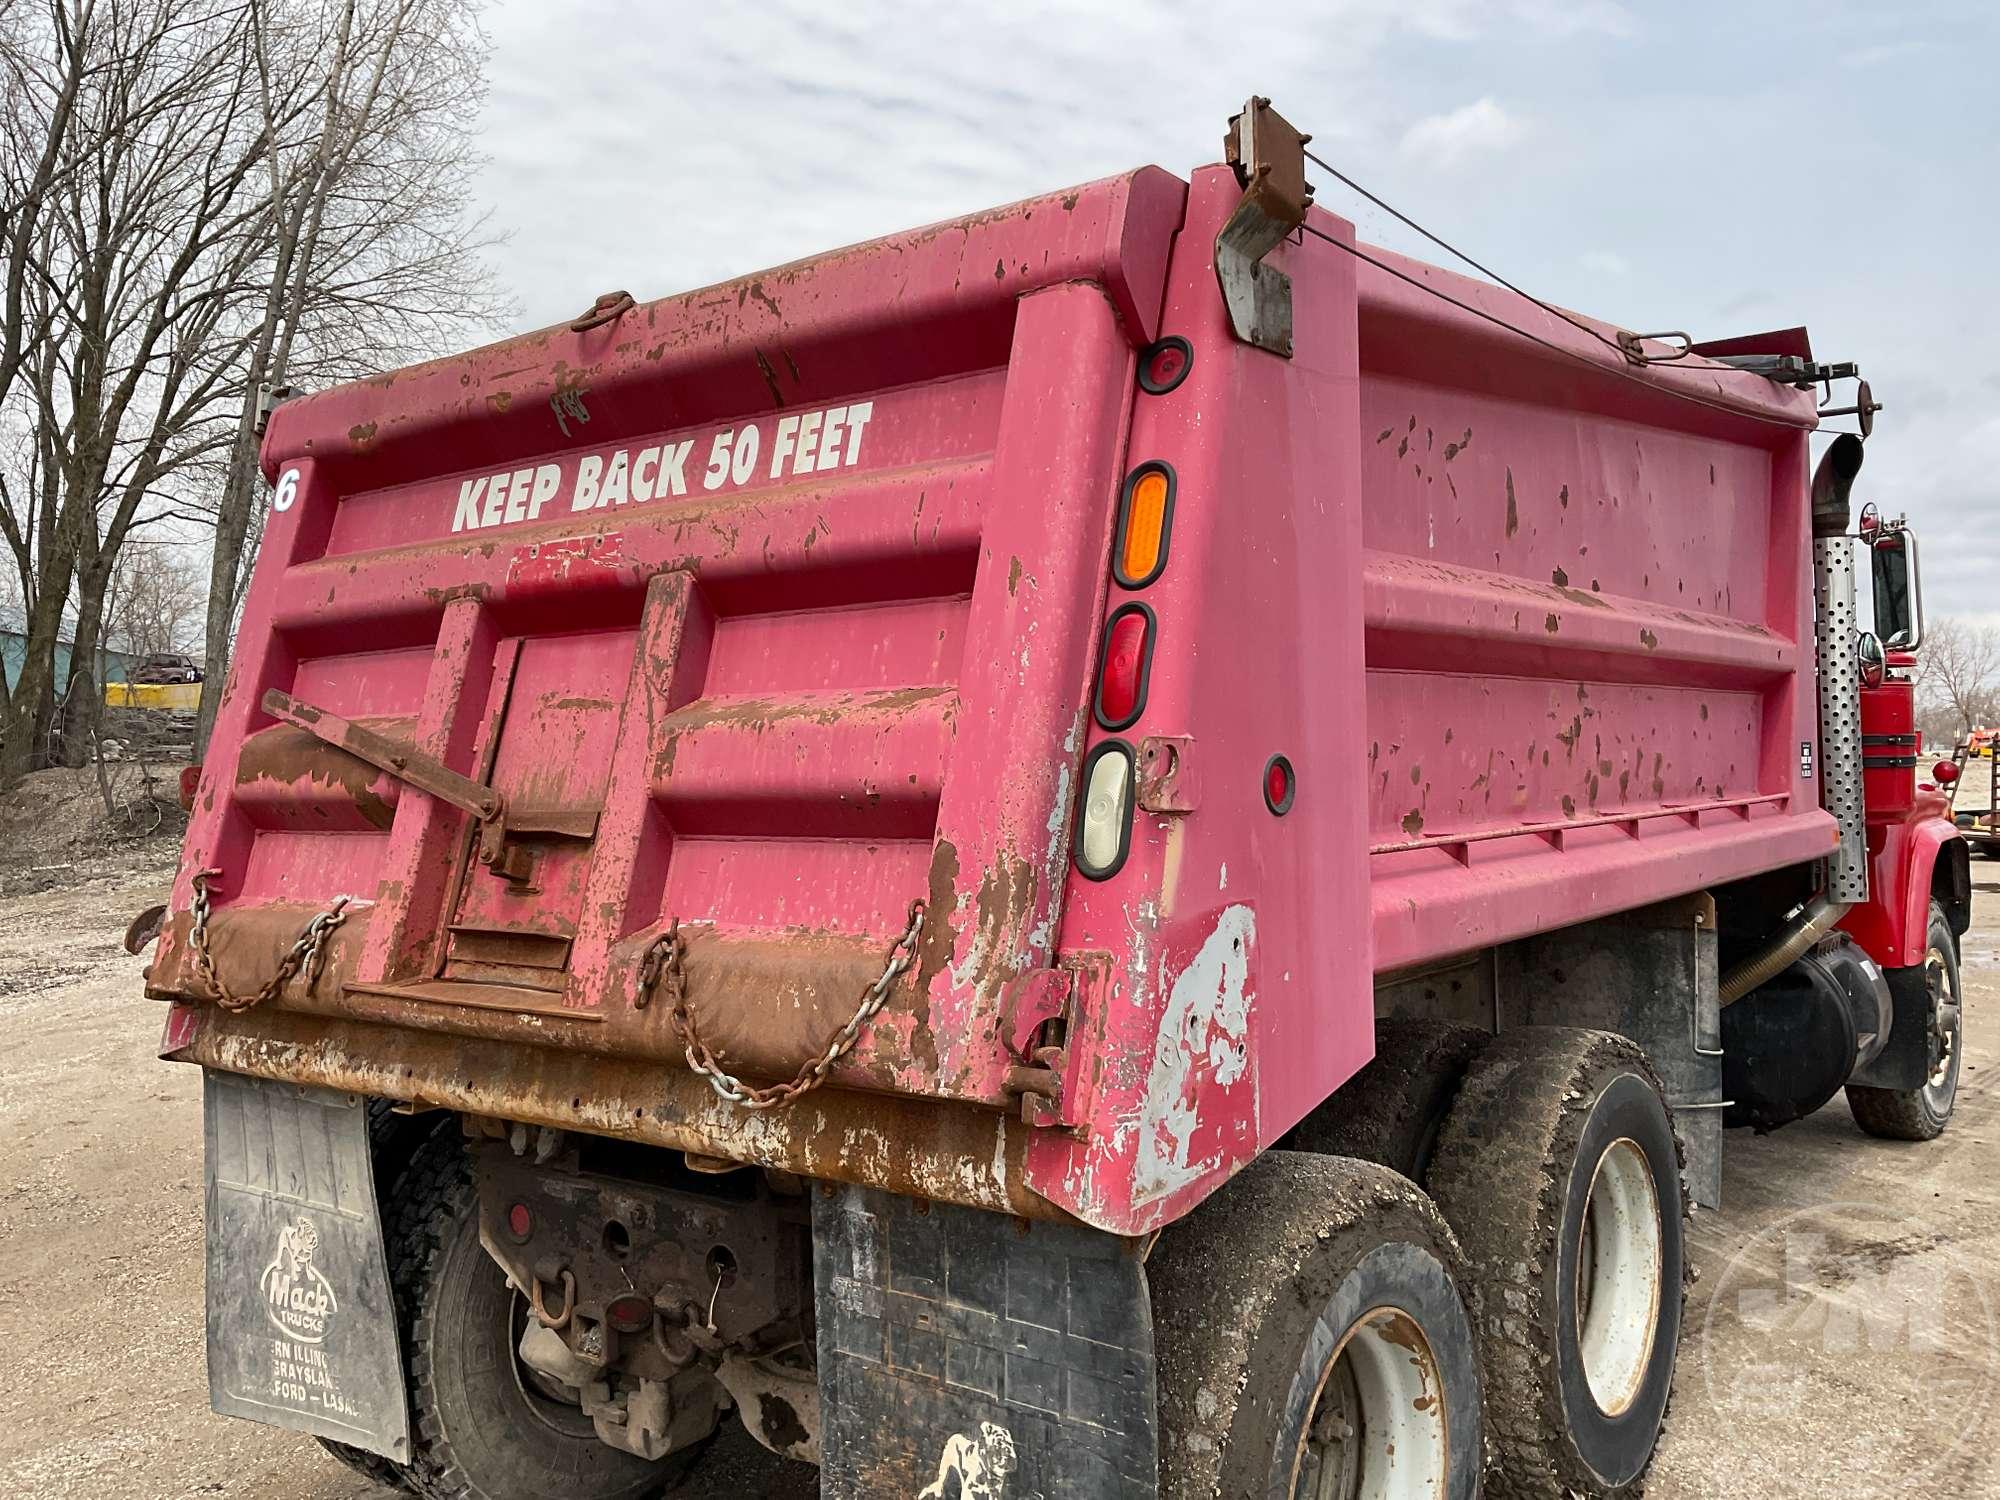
408 764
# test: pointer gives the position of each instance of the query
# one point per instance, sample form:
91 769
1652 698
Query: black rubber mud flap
301 1325
968 1356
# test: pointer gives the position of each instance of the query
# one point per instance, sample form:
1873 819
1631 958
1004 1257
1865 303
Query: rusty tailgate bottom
953 1153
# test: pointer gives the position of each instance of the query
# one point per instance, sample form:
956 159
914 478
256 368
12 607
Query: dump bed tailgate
765 611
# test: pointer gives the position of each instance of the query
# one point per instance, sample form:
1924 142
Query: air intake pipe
1818 918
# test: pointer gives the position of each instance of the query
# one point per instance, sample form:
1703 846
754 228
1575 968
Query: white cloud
1605 263
1568 18
1868 57
1448 140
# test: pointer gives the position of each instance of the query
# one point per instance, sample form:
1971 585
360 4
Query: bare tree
1958 675
151 235
204 201
375 249
157 600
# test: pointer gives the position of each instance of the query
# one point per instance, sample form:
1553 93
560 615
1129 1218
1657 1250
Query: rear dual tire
1312 1340
1559 1171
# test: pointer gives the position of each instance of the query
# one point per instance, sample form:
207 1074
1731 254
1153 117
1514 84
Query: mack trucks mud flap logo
975 1468
298 1299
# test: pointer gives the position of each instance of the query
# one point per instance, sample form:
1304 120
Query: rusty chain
665 962
307 951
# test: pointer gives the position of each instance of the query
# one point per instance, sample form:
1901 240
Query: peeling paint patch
1194 1104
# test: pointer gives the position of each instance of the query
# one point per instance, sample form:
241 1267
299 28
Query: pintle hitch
1270 161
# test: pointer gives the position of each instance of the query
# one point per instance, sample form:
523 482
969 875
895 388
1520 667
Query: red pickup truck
1119 847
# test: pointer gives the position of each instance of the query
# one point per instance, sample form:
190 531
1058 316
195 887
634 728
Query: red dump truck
1120 847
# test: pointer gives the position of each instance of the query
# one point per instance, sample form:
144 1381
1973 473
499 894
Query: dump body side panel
1583 684
1588 620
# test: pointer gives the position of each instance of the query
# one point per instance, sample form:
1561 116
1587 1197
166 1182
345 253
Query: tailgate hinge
1041 1025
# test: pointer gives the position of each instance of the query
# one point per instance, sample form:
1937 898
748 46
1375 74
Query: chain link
665 963
307 952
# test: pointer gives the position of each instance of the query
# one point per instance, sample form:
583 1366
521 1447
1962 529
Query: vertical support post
634 842
996 883
407 925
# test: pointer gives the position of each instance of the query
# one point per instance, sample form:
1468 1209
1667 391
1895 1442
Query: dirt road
1847 1320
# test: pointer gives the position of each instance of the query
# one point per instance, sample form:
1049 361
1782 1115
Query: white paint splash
1202 1050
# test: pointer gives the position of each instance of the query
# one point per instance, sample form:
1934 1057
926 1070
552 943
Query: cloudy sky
1722 168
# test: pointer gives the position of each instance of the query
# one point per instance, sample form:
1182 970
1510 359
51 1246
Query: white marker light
1107 810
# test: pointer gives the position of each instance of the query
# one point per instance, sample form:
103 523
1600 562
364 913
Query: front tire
1921 1114
1311 1340
1559 1171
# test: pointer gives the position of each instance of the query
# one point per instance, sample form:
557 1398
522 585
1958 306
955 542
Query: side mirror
1873 660
1899 601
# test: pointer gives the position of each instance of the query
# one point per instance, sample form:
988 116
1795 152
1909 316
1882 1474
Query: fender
1902 862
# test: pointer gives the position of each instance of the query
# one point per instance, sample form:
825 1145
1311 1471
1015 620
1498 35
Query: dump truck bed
763 612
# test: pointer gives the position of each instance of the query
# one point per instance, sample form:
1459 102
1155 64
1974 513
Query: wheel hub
1618 1277
1377 1430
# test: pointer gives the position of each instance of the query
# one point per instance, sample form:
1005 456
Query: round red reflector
1164 365
520 1223
1128 654
1280 785
1944 773
629 1314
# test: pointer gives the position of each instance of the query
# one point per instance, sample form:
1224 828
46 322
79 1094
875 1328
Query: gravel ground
1847 1319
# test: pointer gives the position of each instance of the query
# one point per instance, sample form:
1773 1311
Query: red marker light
1165 364
520 1223
1280 785
1127 661
1944 773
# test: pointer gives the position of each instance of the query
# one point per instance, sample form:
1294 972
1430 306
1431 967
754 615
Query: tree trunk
232 524
83 694
24 730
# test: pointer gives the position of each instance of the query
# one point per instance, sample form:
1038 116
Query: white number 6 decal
288 490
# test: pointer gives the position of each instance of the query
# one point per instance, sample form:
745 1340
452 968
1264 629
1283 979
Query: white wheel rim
1378 1426
1940 1086
1618 1275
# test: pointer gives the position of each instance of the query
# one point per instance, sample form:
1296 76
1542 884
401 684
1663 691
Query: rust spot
1561 578
362 436
1413 821
1013 575
1513 511
1552 622
1385 434
939 935
770 379
1452 450
1568 805
757 292
999 270
1416 775
1563 496
1649 641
